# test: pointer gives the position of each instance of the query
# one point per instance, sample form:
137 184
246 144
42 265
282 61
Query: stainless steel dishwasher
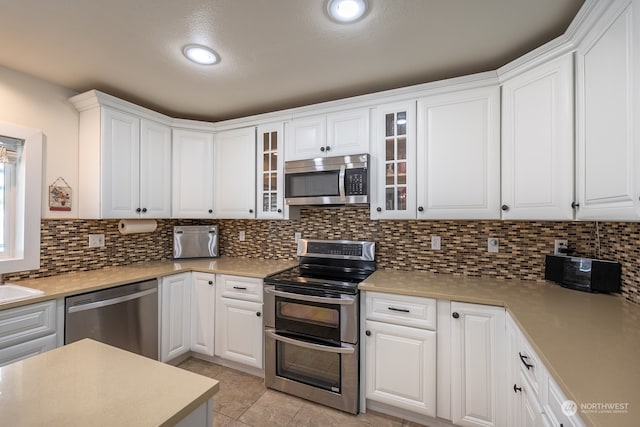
125 316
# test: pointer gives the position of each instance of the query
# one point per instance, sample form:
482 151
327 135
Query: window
20 198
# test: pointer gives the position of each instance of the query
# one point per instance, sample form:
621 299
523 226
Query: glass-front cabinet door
394 152
270 171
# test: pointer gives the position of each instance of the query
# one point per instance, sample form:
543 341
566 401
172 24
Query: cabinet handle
505 208
401 310
211 282
138 210
242 288
522 357
367 333
575 205
328 148
516 388
210 210
144 210
322 149
455 315
279 210
258 314
379 209
420 209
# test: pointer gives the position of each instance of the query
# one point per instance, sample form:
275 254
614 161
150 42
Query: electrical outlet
297 236
493 244
560 244
96 240
435 243
241 235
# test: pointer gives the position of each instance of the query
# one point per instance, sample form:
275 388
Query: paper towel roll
130 226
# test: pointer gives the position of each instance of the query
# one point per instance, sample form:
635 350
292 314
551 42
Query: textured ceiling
275 53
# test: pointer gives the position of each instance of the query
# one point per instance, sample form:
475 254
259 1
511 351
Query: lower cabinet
175 325
239 327
203 302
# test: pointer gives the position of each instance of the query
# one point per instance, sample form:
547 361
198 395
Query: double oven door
311 346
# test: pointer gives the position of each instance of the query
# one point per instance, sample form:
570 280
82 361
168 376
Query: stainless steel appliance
312 322
583 274
342 180
195 241
125 317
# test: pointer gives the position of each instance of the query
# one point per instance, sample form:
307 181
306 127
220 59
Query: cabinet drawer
401 310
530 366
27 349
28 322
244 288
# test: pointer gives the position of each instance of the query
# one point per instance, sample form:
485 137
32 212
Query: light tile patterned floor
244 401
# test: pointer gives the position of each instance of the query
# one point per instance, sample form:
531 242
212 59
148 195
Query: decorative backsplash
404 245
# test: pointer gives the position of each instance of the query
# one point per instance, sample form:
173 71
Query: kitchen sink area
10 292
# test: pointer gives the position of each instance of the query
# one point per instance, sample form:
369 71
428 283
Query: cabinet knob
138 210
211 282
258 314
250 210
279 210
367 333
379 209
505 207
328 148
455 315
144 210
575 205
210 210
322 149
420 209
516 388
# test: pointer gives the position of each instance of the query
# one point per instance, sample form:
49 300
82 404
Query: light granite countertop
94 384
590 343
67 284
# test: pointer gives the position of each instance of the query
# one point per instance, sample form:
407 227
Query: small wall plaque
60 195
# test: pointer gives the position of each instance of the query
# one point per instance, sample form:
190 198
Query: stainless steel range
311 322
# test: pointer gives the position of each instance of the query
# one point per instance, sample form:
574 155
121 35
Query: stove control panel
342 249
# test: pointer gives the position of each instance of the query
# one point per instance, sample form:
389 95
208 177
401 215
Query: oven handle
327 349
341 182
342 301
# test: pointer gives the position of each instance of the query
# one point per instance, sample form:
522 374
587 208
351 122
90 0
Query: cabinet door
192 183
203 303
459 155
270 168
477 365
608 153
530 409
537 143
155 170
348 132
235 172
401 366
175 320
239 331
393 155
307 139
27 349
120 164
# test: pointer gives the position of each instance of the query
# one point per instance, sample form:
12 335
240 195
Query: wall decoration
60 195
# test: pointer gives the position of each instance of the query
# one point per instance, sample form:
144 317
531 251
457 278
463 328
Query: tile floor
244 401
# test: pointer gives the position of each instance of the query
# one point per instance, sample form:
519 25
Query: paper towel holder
134 226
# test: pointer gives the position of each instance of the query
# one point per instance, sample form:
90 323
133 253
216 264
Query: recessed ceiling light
346 10
200 54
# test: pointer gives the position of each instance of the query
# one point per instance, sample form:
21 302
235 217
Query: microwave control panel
356 182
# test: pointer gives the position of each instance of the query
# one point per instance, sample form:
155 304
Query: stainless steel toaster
195 241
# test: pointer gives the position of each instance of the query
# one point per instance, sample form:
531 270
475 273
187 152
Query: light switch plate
297 236
435 243
241 235
96 240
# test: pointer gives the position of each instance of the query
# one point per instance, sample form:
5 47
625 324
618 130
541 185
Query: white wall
31 102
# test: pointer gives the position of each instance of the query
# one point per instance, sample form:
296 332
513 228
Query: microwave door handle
310 298
327 349
343 169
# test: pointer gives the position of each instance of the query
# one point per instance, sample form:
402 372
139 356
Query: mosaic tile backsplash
404 245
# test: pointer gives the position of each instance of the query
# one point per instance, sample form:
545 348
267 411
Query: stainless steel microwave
341 180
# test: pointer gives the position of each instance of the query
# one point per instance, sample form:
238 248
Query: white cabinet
477 365
608 146
235 173
270 171
203 303
175 323
27 330
400 360
238 325
192 174
336 134
537 143
458 166
124 165
393 154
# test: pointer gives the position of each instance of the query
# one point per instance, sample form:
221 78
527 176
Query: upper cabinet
608 142
458 152
336 134
192 174
537 143
235 173
270 169
124 165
